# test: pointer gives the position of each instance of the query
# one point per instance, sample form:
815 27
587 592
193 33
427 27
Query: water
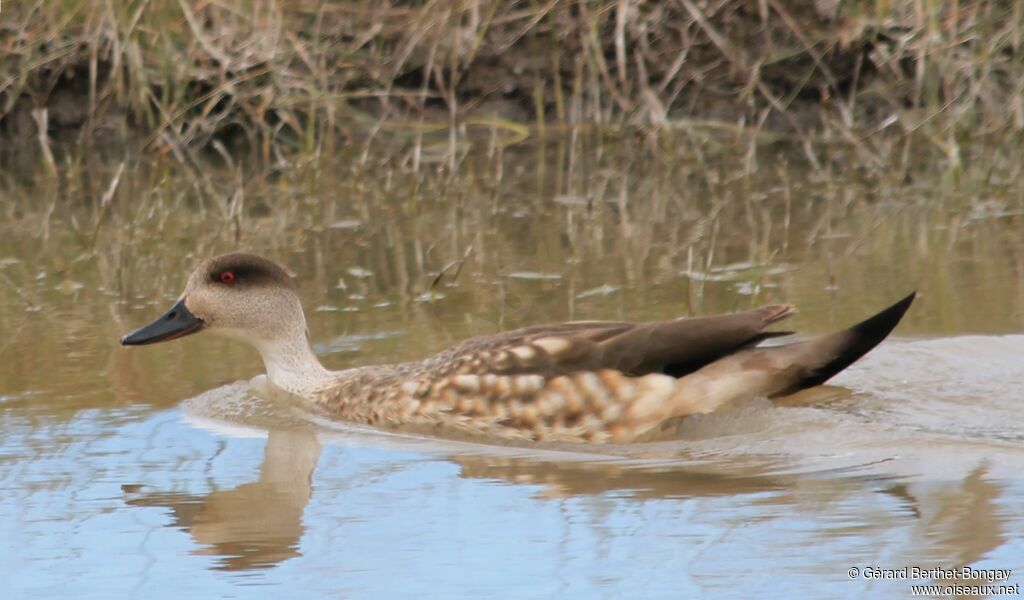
157 472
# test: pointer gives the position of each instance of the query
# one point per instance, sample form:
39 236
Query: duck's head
238 295
249 298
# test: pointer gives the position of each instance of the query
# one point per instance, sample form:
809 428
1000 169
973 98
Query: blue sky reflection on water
385 522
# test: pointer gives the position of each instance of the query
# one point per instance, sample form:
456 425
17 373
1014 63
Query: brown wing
675 348
602 381
573 381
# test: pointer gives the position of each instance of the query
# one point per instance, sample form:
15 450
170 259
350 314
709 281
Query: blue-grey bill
175 323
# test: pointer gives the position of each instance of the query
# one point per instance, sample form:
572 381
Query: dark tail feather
831 353
781 370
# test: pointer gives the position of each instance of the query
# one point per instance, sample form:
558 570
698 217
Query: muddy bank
185 74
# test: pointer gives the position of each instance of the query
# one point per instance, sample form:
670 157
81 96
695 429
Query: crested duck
583 381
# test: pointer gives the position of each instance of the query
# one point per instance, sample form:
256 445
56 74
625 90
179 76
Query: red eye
227 277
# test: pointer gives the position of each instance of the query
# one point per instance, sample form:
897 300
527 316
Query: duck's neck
292 366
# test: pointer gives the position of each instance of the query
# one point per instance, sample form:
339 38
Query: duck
580 381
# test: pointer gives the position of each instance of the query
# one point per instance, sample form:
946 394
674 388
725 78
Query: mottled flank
593 381
595 406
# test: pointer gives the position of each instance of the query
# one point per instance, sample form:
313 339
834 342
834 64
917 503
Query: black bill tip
175 323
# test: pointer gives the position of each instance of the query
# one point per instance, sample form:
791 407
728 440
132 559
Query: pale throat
293 366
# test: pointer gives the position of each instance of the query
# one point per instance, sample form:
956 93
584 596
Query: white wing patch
553 345
524 353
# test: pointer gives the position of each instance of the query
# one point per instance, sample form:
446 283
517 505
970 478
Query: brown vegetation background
187 72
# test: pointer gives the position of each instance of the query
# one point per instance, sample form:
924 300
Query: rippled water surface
162 472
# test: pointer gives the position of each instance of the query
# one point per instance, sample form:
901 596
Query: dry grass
310 75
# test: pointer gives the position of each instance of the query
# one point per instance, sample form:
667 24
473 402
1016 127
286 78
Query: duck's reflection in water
961 520
256 524
260 524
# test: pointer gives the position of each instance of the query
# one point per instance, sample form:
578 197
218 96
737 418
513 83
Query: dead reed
309 75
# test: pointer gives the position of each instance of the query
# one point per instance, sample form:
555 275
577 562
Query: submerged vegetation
312 75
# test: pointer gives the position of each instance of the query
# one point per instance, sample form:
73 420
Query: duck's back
568 381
